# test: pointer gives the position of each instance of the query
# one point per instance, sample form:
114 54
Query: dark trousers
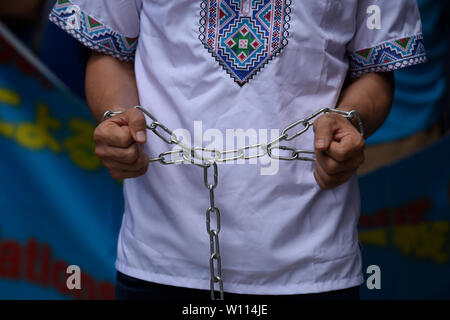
129 288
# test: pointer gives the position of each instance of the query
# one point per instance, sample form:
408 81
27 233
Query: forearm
110 85
371 95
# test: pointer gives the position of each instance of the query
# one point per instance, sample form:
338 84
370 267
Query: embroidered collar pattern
244 35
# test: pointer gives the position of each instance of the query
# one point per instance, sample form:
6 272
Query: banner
405 226
58 205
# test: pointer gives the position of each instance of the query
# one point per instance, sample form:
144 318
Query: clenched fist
119 144
339 150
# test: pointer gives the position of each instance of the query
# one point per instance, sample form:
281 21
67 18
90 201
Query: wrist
354 117
111 111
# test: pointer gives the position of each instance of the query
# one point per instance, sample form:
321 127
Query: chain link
208 158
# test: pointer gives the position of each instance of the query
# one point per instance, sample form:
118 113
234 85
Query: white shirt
251 65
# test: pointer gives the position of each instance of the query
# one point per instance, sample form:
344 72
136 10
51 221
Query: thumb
323 129
137 125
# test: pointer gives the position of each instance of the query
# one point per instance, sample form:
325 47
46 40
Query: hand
119 144
339 150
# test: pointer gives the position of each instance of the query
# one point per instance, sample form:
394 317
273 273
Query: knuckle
130 155
107 165
143 162
115 174
321 181
136 117
328 181
137 165
316 124
332 167
319 164
123 138
340 154
99 152
361 143
325 185
135 112
320 122
98 134
139 121
143 170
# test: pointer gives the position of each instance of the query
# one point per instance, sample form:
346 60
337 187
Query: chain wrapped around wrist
109 114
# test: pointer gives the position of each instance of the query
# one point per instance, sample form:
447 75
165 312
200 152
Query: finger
120 174
346 148
111 134
136 122
327 181
333 167
122 155
324 127
319 180
139 164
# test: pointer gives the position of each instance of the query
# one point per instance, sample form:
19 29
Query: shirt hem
241 288
399 64
388 56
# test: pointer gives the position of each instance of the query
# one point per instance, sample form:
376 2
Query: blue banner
405 226
58 205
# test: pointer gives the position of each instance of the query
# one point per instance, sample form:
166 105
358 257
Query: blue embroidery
388 56
244 35
91 32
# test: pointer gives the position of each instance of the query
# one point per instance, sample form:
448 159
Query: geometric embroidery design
244 35
91 32
388 56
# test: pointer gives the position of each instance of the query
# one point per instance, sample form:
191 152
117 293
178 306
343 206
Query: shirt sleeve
106 26
388 36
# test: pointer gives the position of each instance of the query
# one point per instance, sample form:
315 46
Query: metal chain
202 156
208 158
213 234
